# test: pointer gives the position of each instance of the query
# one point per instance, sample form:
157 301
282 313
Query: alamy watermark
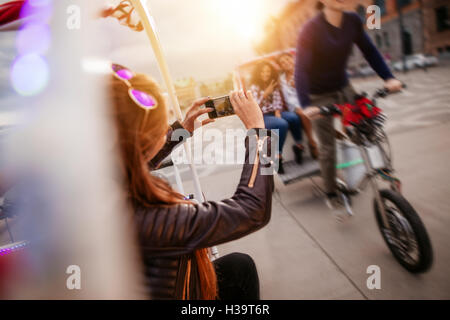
73 281
373 20
374 280
73 21
212 146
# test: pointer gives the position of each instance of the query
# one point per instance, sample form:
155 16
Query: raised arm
371 53
170 144
179 132
181 228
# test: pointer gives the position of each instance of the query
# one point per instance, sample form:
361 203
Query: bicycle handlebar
384 92
332 110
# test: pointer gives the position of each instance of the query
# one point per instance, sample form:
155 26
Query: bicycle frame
365 136
373 173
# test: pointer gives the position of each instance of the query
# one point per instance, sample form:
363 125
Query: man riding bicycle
323 49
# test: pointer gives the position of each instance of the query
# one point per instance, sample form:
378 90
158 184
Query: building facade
436 17
187 91
216 87
282 30
426 27
388 39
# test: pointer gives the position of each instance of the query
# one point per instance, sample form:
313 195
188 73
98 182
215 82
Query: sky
205 39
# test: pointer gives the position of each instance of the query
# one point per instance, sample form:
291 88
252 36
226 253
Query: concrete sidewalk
304 253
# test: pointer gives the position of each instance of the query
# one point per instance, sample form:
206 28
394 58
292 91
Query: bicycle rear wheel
407 237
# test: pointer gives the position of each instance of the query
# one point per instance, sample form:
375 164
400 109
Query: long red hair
136 139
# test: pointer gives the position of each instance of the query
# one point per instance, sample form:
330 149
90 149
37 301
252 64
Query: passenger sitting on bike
323 49
265 89
287 84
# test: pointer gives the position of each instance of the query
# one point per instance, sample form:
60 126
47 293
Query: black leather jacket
169 234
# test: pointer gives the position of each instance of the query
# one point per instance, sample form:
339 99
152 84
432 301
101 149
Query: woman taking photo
174 233
267 94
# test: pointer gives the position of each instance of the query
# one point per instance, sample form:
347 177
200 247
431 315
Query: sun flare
245 18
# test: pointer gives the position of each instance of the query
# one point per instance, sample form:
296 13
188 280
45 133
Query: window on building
407 43
403 3
382 5
387 41
378 40
442 19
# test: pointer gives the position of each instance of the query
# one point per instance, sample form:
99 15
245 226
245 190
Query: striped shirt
269 104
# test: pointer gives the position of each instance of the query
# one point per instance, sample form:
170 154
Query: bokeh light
244 18
29 74
33 38
37 10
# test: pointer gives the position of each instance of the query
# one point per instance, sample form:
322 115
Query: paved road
304 253
425 102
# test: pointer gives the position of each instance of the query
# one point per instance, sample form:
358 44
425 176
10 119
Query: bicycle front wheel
407 237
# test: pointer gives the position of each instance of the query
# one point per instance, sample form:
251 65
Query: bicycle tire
425 251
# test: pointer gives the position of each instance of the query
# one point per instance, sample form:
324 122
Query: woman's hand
278 113
193 112
393 85
270 88
247 109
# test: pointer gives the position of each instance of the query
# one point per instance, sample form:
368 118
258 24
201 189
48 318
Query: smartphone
222 107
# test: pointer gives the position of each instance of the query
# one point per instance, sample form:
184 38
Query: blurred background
50 90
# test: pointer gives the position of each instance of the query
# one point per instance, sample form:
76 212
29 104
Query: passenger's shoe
298 154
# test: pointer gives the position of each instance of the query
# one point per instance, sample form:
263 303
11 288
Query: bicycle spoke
400 236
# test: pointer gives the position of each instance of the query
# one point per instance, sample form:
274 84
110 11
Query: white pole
178 177
141 8
149 26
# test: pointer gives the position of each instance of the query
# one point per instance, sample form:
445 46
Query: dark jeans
288 121
237 277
